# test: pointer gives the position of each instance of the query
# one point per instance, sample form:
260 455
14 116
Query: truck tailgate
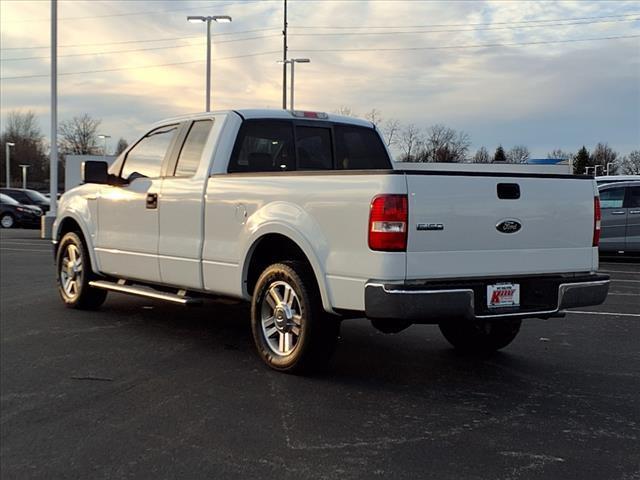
474 226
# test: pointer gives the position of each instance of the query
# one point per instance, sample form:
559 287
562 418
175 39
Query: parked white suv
304 215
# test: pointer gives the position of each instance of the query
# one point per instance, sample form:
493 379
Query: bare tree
374 116
390 132
79 135
22 129
631 163
560 154
518 154
345 110
444 144
602 155
121 146
410 143
482 156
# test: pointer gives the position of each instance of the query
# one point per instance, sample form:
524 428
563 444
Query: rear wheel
7 221
291 330
74 274
472 336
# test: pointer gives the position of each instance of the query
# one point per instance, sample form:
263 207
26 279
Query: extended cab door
127 233
181 205
614 219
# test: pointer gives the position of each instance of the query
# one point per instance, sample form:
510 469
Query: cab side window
612 197
192 149
145 159
359 148
263 146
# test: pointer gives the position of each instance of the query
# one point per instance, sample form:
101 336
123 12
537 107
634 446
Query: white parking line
605 313
25 250
621 271
625 294
13 242
626 281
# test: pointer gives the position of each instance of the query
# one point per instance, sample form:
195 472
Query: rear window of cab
281 145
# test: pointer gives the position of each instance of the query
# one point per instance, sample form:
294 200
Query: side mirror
95 172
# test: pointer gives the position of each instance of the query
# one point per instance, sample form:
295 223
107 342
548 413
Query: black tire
83 296
317 331
480 337
7 221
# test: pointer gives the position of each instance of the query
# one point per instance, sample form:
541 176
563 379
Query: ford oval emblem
509 225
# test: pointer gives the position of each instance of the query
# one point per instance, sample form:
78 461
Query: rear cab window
283 145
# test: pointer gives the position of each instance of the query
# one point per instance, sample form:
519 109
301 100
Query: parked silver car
620 204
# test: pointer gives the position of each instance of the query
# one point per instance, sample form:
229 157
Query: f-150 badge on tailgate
429 226
509 226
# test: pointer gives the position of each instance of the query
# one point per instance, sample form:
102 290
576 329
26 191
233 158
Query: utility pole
48 219
284 59
53 158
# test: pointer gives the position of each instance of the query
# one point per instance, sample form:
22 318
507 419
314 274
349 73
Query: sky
542 74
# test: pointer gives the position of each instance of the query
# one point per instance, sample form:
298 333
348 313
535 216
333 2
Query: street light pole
24 175
208 20
53 155
104 150
284 59
293 62
7 148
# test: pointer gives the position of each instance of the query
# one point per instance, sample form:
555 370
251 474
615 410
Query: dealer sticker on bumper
503 295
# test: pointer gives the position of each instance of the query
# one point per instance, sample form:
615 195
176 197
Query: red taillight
597 216
388 223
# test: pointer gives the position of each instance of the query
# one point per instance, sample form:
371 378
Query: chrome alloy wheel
281 318
71 271
7 221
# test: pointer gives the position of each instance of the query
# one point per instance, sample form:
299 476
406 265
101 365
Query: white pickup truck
304 215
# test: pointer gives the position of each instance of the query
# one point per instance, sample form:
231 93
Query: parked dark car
28 197
14 214
620 225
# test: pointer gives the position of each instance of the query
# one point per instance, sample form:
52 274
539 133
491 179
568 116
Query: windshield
7 199
37 196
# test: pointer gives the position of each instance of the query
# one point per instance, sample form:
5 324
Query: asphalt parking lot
149 390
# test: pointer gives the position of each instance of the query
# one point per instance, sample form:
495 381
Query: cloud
545 96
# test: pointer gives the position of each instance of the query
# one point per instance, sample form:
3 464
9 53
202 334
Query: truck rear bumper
431 302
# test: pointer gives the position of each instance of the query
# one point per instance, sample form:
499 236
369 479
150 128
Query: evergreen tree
499 156
581 161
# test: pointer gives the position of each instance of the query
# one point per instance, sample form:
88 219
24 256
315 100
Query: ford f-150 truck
304 215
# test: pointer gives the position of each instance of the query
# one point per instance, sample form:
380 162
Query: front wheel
7 221
485 337
291 330
74 274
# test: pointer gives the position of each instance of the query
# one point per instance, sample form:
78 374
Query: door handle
618 212
152 200
634 211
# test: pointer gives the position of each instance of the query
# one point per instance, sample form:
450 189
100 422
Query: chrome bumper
434 304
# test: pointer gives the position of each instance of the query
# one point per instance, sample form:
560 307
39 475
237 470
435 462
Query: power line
137 49
144 41
346 50
141 67
332 27
451 47
395 32
130 14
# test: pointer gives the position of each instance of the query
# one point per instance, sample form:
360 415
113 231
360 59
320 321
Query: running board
180 298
